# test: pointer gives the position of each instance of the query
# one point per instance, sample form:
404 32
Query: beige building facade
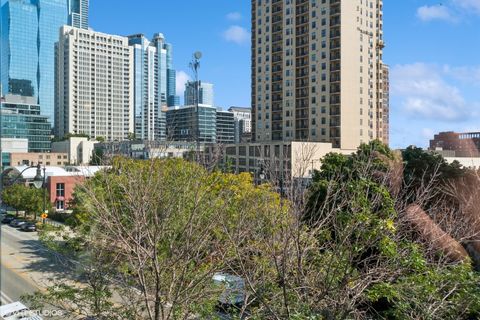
383 117
317 71
79 149
33 158
93 85
289 159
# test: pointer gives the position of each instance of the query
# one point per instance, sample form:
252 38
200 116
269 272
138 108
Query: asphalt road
26 266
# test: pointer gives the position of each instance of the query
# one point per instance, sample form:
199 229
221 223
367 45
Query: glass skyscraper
78 13
172 99
21 119
154 85
205 91
29 31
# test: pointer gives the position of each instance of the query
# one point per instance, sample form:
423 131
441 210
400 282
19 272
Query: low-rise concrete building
146 149
467 162
44 158
78 149
11 145
285 160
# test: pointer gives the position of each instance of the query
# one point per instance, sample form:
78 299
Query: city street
26 266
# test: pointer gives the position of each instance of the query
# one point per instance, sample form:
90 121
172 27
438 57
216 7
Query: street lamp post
261 175
38 182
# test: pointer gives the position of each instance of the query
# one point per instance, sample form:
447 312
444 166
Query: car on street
17 223
8 219
17 310
29 227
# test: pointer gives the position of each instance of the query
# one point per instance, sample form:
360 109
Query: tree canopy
155 232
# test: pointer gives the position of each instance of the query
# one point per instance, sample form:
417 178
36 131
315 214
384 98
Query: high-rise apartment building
29 30
79 13
93 85
317 70
154 82
205 92
384 107
243 123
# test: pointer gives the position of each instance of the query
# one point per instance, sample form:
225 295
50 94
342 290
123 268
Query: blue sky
433 49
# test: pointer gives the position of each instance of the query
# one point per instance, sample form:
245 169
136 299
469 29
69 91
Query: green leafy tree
422 167
26 198
97 157
161 227
342 251
12 196
367 245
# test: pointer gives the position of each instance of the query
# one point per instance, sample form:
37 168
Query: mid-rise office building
186 124
154 82
205 92
317 71
21 119
93 85
243 123
29 31
225 127
454 144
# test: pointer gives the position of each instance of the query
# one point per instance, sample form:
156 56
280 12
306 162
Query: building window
60 189
60 205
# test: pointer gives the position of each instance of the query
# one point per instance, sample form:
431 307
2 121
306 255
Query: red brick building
60 189
60 182
465 144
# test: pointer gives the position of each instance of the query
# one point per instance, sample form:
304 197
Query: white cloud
453 10
468 5
181 80
426 92
437 12
237 34
234 16
468 75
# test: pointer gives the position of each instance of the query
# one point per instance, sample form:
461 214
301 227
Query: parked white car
17 311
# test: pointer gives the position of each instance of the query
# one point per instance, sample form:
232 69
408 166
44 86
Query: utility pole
195 66
1 151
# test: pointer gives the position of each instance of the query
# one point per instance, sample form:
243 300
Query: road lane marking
5 299
22 273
